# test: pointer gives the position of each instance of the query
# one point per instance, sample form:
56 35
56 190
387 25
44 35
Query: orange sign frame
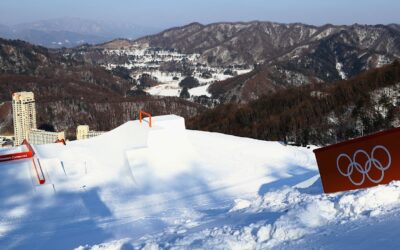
142 114
62 141
24 155
17 156
360 163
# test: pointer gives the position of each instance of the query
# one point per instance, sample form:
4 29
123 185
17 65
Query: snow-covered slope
168 187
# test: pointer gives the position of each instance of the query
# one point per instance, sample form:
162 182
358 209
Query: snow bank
136 181
289 214
168 187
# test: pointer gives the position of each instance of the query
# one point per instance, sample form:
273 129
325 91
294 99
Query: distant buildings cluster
38 136
25 125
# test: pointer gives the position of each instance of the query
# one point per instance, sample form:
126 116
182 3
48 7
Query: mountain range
292 63
255 42
285 54
71 32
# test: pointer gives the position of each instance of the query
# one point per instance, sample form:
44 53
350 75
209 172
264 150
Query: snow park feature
166 187
359 163
24 151
16 153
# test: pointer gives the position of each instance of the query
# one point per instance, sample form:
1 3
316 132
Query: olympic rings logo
371 162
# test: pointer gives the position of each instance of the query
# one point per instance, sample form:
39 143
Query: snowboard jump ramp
134 181
159 140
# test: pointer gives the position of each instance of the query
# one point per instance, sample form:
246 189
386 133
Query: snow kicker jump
136 181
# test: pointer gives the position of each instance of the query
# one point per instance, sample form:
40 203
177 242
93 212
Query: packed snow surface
170 87
166 187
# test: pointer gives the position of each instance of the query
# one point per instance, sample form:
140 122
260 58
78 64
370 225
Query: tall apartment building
37 136
24 115
83 132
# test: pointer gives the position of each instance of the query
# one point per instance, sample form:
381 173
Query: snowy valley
165 69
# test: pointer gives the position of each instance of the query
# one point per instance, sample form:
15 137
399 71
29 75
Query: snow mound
138 187
286 215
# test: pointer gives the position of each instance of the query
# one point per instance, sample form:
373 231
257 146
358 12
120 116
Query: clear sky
166 13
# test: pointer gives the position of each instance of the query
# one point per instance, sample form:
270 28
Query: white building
83 132
37 136
24 115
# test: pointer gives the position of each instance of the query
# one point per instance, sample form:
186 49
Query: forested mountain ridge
286 54
319 113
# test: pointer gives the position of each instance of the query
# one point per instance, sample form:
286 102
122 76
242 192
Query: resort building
24 115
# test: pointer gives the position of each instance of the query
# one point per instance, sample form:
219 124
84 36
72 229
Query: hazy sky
165 13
